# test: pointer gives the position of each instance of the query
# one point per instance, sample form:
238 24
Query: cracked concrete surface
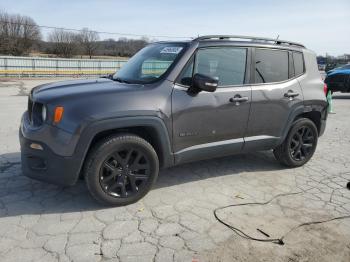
175 222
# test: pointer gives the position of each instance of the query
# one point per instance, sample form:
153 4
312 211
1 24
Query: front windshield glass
346 67
150 63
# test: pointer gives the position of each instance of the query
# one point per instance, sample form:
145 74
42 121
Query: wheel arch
315 113
152 129
148 133
314 116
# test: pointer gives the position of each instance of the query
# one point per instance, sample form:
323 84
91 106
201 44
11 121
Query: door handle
237 99
291 94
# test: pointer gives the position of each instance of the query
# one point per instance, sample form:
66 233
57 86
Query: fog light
36 146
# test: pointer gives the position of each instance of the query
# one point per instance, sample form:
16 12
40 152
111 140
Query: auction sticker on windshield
171 50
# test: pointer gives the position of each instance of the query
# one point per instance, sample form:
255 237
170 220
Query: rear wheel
121 169
299 145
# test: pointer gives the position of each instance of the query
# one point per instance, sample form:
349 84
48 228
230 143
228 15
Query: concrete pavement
175 221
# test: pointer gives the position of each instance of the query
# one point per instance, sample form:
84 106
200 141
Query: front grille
30 108
34 112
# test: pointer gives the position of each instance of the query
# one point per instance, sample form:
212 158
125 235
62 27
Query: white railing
14 66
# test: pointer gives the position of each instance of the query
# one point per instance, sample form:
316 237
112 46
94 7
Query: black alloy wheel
299 145
121 169
302 143
125 173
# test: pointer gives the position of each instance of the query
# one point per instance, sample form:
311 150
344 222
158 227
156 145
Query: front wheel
121 169
299 145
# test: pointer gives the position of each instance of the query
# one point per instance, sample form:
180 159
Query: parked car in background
338 80
339 68
334 66
322 67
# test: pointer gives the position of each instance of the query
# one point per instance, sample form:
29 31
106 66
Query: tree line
20 35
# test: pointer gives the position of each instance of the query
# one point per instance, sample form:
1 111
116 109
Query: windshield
150 63
345 67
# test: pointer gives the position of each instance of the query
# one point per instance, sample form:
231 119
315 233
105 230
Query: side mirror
204 83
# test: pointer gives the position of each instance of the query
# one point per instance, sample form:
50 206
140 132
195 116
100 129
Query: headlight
43 113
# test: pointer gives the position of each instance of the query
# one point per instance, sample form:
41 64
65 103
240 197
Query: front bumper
45 164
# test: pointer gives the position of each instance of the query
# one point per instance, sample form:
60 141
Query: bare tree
17 34
88 40
20 34
64 43
122 47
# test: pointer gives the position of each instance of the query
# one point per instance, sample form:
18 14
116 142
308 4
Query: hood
87 87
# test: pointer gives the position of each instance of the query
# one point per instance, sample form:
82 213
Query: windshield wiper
118 79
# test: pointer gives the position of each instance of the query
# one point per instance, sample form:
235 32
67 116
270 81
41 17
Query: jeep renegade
172 103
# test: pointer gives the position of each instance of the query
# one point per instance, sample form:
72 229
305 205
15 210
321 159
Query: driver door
212 124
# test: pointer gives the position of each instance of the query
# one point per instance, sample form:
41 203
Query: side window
298 63
271 65
227 64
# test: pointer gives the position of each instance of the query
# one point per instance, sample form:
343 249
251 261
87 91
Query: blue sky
323 26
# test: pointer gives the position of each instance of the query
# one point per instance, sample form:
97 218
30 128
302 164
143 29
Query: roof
251 39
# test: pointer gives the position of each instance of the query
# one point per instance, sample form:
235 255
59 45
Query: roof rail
221 37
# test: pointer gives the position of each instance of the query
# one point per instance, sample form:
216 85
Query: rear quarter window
298 63
271 65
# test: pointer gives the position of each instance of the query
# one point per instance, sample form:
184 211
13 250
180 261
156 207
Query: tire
121 169
298 139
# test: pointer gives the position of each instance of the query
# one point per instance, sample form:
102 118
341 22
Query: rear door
212 124
276 93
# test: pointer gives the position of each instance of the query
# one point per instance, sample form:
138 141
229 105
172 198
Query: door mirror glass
202 82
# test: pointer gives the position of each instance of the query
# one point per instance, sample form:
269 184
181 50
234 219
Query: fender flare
93 128
302 109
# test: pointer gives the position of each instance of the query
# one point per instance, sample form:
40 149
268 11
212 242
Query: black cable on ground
278 241
314 223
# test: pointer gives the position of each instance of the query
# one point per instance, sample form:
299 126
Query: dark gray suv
172 103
